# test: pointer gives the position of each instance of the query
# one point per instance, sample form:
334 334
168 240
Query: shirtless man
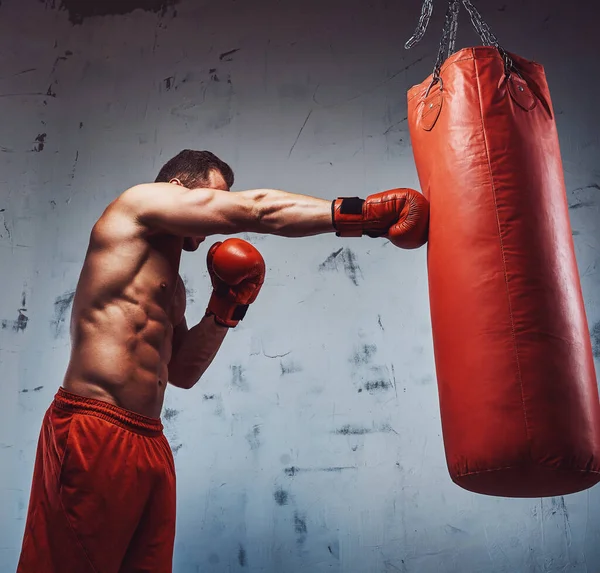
103 493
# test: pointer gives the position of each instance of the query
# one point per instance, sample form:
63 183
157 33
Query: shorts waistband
120 416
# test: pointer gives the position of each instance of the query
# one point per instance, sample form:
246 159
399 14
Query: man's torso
122 319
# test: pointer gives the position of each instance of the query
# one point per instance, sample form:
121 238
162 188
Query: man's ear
176 181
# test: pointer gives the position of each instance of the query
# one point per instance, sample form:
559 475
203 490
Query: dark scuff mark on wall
170 414
596 339
581 204
40 142
281 497
79 10
364 354
61 308
377 385
225 56
208 397
36 389
289 368
349 430
454 530
334 549
380 323
252 437
293 470
176 449
72 174
238 378
348 259
169 82
242 558
18 325
300 527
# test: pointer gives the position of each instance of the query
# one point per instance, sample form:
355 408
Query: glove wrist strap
347 216
226 312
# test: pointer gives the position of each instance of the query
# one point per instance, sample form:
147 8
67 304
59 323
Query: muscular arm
202 212
194 350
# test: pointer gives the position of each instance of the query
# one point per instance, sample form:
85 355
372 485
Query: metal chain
487 36
449 33
448 40
426 11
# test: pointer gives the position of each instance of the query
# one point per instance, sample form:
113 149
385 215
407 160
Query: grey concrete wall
314 442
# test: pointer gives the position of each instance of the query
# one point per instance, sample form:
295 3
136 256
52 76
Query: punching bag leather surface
517 387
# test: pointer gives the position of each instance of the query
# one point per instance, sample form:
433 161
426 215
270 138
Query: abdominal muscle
120 327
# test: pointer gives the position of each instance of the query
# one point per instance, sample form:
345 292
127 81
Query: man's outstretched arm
203 212
401 215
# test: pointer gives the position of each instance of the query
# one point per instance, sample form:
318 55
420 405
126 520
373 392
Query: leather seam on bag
568 469
503 252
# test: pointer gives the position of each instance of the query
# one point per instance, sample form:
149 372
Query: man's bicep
192 212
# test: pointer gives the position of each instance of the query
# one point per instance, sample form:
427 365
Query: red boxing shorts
103 493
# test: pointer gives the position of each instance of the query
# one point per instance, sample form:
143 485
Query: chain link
449 34
426 11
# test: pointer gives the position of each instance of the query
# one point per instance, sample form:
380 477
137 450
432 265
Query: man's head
196 170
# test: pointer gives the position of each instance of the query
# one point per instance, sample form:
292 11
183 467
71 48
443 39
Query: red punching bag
517 388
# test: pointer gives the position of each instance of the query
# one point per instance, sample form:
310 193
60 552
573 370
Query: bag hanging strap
449 32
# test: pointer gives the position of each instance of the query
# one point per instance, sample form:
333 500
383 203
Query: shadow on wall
79 10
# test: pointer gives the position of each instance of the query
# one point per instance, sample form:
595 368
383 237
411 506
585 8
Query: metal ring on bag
434 81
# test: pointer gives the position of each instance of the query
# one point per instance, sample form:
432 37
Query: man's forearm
196 352
292 215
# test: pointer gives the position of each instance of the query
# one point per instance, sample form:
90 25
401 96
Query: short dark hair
193 168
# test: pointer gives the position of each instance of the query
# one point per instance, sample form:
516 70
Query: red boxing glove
400 215
237 272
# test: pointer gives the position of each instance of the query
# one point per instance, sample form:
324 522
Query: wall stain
79 10
334 549
170 414
61 307
581 204
348 260
36 389
377 385
281 496
454 530
242 558
238 378
252 437
169 82
592 186
596 339
73 169
226 56
208 397
176 449
293 470
289 368
300 527
40 142
364 355
349 430
18 325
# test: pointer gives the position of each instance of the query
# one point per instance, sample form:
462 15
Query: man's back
122 323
